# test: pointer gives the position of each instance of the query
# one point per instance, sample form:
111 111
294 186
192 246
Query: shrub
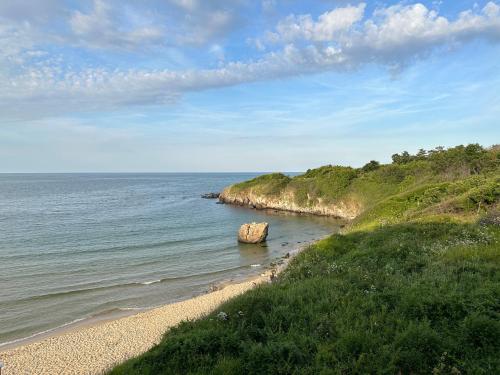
370 166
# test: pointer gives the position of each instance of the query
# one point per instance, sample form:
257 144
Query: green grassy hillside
411 287
435 170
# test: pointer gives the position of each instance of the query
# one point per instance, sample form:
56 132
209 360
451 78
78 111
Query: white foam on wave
41 333
150 282
254 265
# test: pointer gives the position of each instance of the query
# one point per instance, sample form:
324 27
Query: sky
242 85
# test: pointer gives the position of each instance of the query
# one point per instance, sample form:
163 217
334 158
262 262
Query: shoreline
119 313
96 345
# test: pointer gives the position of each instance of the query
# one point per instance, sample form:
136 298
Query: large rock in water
253 233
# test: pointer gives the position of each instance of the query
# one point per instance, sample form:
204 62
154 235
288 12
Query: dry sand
95 349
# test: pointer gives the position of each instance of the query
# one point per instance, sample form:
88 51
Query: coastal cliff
440 180
287 201
322 191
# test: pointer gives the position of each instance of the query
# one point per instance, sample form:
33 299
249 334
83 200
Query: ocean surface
76 247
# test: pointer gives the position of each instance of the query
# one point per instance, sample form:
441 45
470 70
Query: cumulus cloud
326 28
400 33
392 36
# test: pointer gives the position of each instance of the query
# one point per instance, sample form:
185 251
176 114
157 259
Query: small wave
73 292
151 282
255 265
87 318
133 308
113 312
41 333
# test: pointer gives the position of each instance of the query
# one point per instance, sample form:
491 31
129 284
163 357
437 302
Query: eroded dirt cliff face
286 201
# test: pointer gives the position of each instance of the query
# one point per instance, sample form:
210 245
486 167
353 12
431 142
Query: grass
412 286
419 298
269 184
453 199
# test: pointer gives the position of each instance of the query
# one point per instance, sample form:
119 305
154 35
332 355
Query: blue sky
192 85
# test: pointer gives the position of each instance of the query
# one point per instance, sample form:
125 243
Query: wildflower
222 316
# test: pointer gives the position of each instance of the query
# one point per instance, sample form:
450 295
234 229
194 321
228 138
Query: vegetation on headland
411 287
367 186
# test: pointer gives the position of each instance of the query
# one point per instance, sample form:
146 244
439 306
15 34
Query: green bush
268 184
370 166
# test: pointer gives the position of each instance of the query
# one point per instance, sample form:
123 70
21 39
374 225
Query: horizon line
152 172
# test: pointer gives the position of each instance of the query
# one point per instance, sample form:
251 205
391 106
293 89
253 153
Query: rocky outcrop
286 202
253 233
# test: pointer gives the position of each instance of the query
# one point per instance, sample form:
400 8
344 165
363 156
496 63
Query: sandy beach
95 349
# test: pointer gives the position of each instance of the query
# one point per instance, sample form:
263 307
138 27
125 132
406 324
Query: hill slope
348 192
411 287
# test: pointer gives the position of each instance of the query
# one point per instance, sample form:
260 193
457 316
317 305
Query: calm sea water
80 246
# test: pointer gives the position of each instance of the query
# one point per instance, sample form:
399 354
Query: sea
79 248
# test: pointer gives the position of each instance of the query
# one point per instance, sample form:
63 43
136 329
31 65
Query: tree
371 166
421 154
404 158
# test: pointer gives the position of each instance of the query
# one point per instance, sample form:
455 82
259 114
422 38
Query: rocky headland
287 202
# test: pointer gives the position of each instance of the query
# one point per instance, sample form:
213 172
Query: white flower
222 316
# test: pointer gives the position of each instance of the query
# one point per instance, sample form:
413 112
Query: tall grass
421 298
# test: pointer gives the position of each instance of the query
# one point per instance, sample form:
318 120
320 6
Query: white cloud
391 36
206 21
100 29
203 27
327 27
13 40
399 33
46 87
115 24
